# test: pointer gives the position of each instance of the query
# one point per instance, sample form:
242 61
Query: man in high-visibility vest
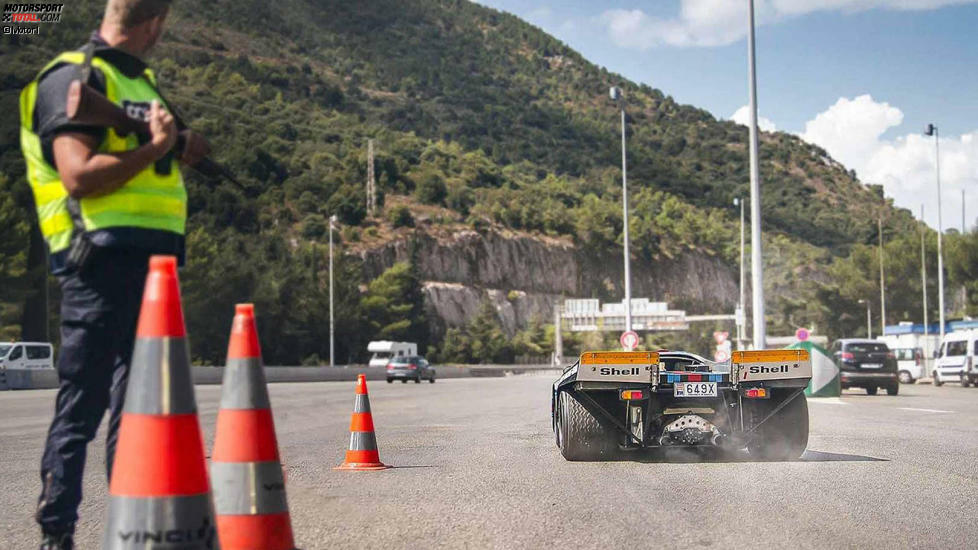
105 203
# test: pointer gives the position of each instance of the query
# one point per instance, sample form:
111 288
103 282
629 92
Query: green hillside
478 115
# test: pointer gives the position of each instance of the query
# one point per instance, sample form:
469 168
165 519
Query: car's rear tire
785 435
893 390
872 390
937 379
580 435
964 381
432 379
390 380
403 380
417 379
905 377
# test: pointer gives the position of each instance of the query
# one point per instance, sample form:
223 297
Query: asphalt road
476 467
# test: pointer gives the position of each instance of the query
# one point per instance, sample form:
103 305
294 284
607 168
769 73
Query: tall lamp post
923 277
882 281
332 329
617 96
931 130
741 312
757 270
869 319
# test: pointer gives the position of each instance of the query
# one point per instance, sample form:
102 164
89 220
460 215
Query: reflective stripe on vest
148 201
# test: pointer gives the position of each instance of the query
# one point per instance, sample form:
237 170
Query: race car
609 402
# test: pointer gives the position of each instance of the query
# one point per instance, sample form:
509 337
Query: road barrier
29 379
38 379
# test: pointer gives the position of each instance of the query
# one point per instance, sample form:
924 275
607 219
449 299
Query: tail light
847 356
390 366
890 355
632 395
917 357
756 393
412 366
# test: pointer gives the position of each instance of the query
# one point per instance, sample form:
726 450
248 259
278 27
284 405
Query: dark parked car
410 368
866 364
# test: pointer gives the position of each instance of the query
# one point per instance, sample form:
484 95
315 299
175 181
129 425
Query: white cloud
850 131
742 116
721 22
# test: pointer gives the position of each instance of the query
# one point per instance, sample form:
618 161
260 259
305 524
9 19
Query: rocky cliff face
524 276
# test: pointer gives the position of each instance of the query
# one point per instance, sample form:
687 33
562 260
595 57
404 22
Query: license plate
872 365
695 389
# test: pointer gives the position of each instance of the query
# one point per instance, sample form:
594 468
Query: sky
860 78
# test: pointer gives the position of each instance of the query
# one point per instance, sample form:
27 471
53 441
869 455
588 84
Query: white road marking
924 410
827 400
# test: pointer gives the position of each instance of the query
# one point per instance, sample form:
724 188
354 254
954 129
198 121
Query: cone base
362 466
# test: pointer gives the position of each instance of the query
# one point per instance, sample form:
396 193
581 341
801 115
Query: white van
26 355
956 359
384 350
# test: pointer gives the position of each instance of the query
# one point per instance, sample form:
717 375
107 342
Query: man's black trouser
99 311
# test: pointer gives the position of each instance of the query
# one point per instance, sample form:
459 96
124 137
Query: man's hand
162 129
195 148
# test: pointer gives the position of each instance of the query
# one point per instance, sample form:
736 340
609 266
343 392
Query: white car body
382 351
957 356
911 362
26 355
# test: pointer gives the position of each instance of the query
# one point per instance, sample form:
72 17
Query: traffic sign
629 340
724 347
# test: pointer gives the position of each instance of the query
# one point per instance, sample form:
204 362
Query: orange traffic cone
362 454
249 489
159 495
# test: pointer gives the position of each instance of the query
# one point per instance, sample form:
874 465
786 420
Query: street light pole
757 273
932 131
332 326
617 95
882 281
742 314
923 277
869 320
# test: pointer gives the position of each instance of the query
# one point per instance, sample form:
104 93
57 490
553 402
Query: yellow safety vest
149 201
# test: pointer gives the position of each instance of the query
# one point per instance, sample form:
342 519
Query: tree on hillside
289 288
393 306
13 264
962 267
482 340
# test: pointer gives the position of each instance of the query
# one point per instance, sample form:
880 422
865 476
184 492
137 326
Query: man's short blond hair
129 13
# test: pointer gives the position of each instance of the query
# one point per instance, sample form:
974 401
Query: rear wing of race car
644 367
617 366
762 365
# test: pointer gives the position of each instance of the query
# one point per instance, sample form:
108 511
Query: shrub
431 189
400 216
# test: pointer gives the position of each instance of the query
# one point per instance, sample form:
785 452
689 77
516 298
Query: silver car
413 367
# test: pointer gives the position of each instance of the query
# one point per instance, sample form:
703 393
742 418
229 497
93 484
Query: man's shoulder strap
86 67
85 58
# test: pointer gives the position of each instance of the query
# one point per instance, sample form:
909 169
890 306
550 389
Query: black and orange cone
249 488
159 494
362 454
